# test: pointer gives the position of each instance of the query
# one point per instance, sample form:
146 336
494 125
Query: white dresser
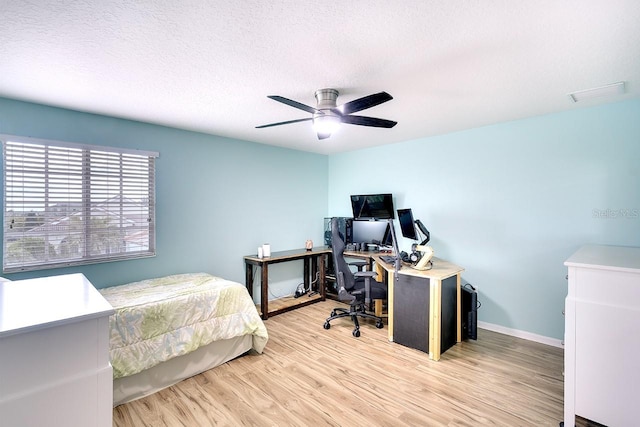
602 336
54 353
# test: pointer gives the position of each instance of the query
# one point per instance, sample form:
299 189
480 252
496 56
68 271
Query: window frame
122 176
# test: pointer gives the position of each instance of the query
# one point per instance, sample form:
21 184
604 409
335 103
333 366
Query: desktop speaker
345 227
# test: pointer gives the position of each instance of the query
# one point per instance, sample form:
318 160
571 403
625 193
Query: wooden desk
416 304
314 261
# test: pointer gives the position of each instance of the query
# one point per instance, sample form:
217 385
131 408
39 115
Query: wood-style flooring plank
309 376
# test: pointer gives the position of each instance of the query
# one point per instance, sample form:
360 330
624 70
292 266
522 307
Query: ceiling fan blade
368 121
323 135
294 104
363 103
284 123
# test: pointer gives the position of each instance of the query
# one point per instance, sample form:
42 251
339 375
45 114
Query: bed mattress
159 319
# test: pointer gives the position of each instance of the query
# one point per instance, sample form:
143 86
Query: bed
170 328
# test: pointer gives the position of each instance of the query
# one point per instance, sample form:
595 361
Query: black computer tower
345 227
469 313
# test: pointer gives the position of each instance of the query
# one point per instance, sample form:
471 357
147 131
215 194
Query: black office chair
357 289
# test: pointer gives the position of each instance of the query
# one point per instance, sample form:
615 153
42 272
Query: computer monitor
388 238
372 206
369 231
396 249
407 224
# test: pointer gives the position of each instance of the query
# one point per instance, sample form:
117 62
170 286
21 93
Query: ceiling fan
326 116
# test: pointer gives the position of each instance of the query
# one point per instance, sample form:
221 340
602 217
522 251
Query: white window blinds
69 204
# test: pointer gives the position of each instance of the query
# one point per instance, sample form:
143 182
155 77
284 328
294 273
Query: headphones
412 258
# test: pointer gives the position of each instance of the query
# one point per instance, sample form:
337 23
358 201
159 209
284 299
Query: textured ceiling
208 66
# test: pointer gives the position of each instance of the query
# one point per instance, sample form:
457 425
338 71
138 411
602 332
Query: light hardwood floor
308 376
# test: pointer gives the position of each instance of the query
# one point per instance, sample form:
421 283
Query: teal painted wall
511 202
218 199
508 202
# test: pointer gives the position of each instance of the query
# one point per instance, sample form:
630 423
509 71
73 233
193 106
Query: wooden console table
314 262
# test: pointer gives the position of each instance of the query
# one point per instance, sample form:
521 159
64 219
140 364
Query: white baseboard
521 334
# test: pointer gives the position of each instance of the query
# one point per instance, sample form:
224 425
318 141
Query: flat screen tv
372 206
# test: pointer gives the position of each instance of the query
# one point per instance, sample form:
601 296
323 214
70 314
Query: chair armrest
343 295
368 275
365 274
359 264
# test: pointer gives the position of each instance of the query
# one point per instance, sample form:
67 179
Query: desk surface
441 269
297 253
286 255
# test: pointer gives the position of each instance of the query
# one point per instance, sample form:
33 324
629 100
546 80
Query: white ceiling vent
597 92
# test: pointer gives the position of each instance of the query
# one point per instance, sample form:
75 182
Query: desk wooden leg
435 319
378 307
459 309
381 273
248 278
322 280
379 278
390 284
264 291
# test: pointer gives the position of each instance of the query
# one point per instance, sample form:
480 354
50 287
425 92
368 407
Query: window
71 204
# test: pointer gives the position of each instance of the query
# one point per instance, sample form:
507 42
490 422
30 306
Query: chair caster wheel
379 324
356 333
327 325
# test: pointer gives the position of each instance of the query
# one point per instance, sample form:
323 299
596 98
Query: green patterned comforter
159 319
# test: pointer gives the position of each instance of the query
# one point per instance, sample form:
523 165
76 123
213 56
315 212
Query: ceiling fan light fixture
597 92
326 117
326 98
326 123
